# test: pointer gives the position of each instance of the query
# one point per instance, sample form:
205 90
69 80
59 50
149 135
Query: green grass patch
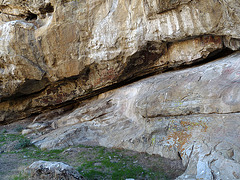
92 162
129 172
10 137
45 155
114 165
22 141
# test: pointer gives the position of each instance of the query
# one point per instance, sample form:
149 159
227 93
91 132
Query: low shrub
23 143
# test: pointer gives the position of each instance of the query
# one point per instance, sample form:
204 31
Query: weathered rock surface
56 51
47 170
192 114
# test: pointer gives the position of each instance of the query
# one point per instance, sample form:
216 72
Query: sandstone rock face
56 51
191 114
55 54
46 170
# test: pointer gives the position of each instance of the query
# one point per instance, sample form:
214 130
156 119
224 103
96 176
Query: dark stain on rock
140 63
32 86
48 8
31 16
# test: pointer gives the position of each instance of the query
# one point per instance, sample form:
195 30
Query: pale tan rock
37 126
64 50
27 131
180 53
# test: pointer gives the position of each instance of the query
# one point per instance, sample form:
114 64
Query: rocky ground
96 162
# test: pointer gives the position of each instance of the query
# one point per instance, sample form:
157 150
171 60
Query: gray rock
192 114
46 170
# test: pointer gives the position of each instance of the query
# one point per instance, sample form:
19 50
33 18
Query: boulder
47 170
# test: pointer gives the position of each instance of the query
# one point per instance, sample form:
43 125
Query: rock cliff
191 114
53 52
62 60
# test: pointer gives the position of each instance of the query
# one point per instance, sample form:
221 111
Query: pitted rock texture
192 114
56 51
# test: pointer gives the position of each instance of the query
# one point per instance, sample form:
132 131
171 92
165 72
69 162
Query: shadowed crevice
31 16
122 82
48 8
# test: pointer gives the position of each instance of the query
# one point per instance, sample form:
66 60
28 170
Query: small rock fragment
97 164
27 131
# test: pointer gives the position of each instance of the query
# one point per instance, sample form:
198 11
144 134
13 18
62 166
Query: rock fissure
182 115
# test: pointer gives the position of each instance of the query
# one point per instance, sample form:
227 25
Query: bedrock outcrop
60 61
53 52
191 114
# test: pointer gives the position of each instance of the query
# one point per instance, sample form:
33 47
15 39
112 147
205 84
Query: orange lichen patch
179 139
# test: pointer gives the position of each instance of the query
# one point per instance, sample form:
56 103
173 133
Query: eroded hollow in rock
31 16
46 9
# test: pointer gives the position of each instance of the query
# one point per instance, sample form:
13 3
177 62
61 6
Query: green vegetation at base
115 165
19 129
93 162
45 155
23 143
